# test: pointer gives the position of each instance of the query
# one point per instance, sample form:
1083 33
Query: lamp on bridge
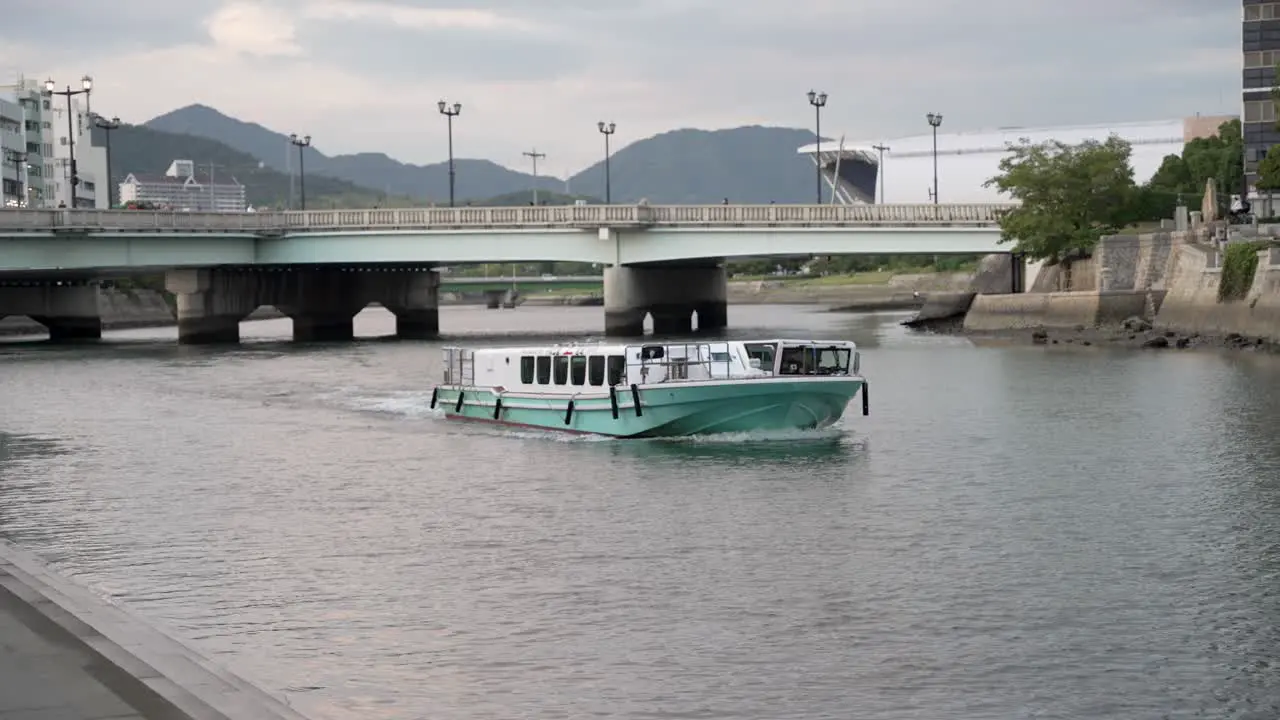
300 143
606 129
86 86
107 126
450 112
935 119
818 100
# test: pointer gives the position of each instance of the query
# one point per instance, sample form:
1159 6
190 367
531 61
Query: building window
1260 59
1258 13
1260 111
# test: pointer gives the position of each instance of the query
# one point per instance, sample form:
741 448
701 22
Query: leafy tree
1173 175
1070 195
1269 170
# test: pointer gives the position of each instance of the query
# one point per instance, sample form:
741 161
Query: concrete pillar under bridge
321 301
670 295
68 309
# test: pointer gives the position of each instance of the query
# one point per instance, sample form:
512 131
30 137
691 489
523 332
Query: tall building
186 186
39 159
1260 44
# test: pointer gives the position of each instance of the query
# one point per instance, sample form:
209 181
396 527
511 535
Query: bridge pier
69 311
321 301
671 295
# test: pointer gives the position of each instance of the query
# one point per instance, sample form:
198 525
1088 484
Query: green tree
1269 170
1173 175
1069 195
1219 158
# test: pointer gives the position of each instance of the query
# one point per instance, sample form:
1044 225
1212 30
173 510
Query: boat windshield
815 360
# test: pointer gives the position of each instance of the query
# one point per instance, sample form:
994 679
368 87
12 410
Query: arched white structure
966 160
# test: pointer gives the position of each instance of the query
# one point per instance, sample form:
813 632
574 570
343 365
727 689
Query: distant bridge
320 267
114 240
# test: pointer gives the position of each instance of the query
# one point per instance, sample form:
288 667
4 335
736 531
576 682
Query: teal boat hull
666 410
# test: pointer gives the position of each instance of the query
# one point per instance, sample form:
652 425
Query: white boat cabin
575 368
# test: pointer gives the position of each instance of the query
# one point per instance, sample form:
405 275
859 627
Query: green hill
746 165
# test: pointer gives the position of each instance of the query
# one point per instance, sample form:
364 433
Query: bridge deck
564 217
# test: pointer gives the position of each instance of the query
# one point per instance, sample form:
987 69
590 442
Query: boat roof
600 345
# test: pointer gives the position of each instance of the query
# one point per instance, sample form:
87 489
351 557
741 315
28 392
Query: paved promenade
65 654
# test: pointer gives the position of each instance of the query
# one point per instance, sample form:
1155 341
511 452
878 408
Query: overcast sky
365 75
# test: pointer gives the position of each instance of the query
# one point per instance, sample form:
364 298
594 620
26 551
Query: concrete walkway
66 654
46 674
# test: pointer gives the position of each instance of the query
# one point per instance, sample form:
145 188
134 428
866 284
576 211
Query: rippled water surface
1015 532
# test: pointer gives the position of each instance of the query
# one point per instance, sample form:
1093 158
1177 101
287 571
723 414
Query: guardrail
545 217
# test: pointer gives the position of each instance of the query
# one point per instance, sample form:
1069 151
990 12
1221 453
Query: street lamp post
607 129
880 167
107 126
450 112
86 84
818 100
300 143
935 119
535 155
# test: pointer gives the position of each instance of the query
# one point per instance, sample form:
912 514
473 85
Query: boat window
719 357
526 369
796 361
595 370
544 370
764 352
561 373
653 352
578 369
617 369
833 361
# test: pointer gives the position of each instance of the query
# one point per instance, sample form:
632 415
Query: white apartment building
38 159
186 186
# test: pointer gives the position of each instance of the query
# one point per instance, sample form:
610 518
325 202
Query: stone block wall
1191 304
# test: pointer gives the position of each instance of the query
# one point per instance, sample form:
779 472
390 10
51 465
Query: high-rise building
186 186
1260 44
39 158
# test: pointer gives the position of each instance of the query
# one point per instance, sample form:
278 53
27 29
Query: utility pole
534 155
880 167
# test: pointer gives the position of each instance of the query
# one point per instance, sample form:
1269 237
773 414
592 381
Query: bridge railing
551 217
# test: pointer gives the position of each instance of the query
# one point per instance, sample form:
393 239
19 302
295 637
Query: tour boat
654 389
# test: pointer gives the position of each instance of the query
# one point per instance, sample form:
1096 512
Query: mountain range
746 165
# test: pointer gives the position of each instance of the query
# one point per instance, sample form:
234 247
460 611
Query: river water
1015 532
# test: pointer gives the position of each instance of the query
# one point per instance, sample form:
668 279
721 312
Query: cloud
250 28
364 75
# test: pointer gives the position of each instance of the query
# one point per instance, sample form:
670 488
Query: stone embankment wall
1192 304
1127 276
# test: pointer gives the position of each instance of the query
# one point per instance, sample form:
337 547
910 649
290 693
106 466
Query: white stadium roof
966 160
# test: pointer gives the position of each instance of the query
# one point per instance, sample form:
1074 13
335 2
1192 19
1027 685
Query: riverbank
1179 290
1135 334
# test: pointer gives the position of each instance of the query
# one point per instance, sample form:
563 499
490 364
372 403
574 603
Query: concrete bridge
322 267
